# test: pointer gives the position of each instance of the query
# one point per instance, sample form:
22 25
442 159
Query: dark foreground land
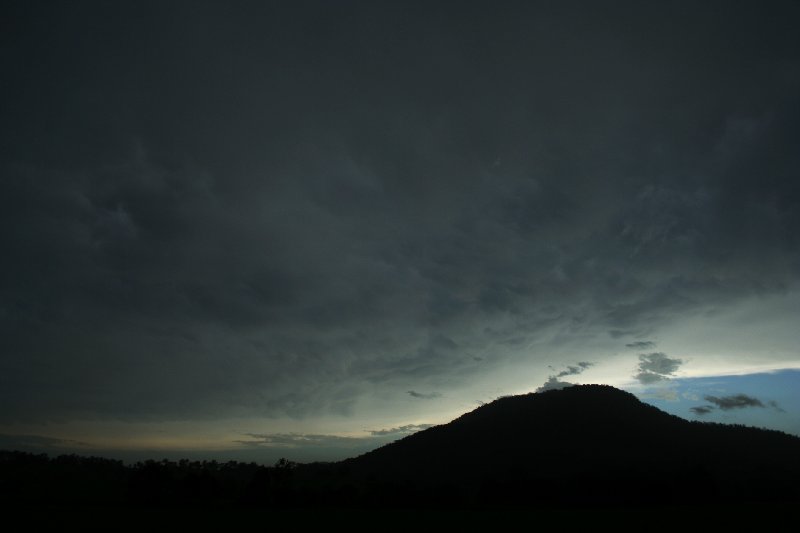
581 455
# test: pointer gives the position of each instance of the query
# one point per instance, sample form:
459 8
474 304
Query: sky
304 229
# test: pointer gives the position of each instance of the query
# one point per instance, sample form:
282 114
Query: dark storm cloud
655 367
775 405
275 209
648 378
38 443
659 363
553 383
735 401
641 345
573 370
424 395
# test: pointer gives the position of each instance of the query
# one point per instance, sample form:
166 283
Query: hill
579 447
590 443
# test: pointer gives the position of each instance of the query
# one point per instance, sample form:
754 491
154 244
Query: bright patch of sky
768 400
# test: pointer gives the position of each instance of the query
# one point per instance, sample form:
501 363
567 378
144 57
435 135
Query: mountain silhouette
579 447
588 444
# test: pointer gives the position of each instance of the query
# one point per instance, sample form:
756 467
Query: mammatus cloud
734 401
641 345
656 366
423 395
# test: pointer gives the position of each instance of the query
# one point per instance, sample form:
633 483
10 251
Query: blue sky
678 396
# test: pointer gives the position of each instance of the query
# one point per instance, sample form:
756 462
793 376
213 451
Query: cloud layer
655 367
553 383
733 402
286 210
736 401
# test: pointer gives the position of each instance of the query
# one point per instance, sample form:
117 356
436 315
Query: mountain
589 443
582 447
